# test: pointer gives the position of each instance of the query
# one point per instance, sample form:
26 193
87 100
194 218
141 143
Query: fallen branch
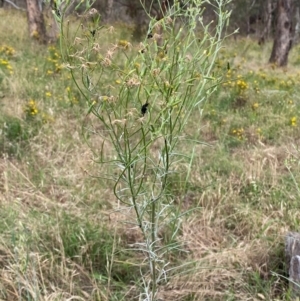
14 5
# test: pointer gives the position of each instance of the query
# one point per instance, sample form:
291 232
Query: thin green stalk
153 247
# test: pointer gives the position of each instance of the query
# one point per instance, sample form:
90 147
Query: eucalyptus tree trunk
109 6
267 22
297 27
36 25
284 33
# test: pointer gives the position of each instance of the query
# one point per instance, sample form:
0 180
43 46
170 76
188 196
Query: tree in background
297 26
109 7
269 9
36 24
283 39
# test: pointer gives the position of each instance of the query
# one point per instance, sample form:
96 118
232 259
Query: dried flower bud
96 47
119 121
157 37
111 29
133 82
124 44
169 20
92 12
106 62
155 71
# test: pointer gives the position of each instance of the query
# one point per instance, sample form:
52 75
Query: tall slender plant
143 96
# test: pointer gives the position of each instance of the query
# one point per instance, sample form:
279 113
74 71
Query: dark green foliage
13 135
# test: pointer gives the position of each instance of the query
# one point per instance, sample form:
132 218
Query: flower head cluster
132 82
54 59
70 97
242 85
293 121
255 106
5 53
6 65
7 50
239 133
31 108
124 44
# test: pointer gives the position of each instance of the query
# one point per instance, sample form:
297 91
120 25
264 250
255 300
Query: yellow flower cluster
262 75
5 53
293 121
35 34
239 133
124 44
286 84
54 59
31 108
242 85
7 50
6 65
70 98
235 81
259 132
256 87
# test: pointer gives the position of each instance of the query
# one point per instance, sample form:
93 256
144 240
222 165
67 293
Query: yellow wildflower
293 121
242 84
31 108
123 43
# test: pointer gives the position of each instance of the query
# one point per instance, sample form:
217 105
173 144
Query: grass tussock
64 236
